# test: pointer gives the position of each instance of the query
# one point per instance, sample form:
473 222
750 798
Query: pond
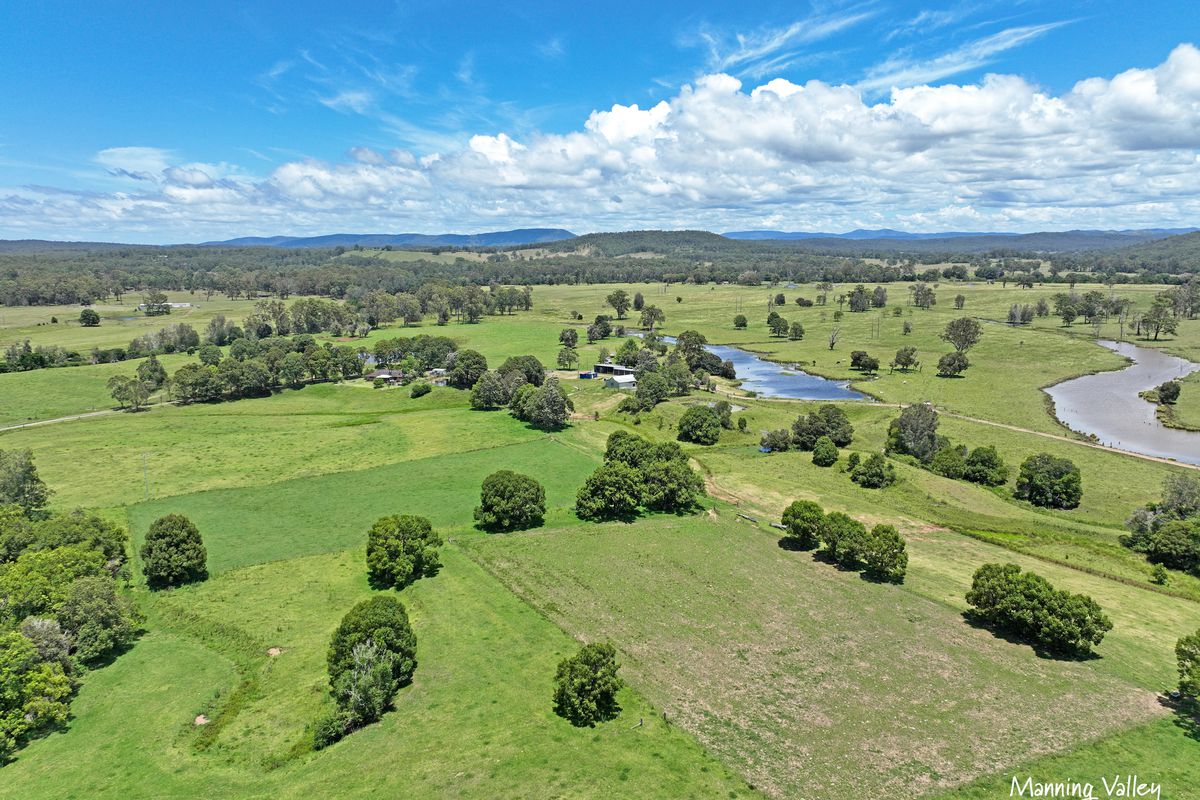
1107 406
769 379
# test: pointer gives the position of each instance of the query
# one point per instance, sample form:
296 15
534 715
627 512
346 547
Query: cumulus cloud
1002 154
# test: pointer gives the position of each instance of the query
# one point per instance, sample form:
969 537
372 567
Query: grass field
814 682
752 670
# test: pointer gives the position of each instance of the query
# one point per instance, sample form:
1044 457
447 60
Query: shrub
776 441
510 501
852 461
174 553
1169 392
826 420
701 425
739 321
983 465
400 549
419 389
825 452
804 521
874 473
1187 655
949 463
1051 482
35 694
613 491
330 728
383 620
885 554
586 685
89 318
100 621
1025 604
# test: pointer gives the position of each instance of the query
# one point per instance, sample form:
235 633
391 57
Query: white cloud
357 100
1002 154
904 71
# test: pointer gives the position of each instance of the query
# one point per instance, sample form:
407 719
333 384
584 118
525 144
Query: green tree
805 521
826 420
468 366
1045 480
651 390
510 501
779 326
671 486
874 473
914 432
885 555
906 359
527 366
38 582
88 318
964 333
20 483
383 620
1168 392
796 332
488 392
949 462
984 465
366 690
613 491
837 529
1187 655
740 321
567 358
98 620
151 372
586 685
952 365
652 316
568 337
547 407
210 355
619 300
129 392
174 553
400 549
33 694
825 452
699 424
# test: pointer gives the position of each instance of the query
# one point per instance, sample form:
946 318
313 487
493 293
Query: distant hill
672 243
1044 242
859 233
415 240
1172 254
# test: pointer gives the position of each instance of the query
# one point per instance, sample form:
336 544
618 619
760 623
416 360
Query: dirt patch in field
200 720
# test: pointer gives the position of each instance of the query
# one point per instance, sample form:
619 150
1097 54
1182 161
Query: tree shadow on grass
1015 637
794 545
1187 714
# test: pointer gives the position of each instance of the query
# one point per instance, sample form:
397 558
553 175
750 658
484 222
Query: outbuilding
621 382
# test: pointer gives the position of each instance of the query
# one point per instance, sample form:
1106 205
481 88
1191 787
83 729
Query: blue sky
183 122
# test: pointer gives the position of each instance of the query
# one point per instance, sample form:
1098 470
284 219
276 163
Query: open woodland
751 669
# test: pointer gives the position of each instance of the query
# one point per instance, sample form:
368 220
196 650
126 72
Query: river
1107 405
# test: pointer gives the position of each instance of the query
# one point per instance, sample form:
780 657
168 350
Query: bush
383 620
400 549
1026 605
826 420
613 491
804 521
89 318
510 501
330 728
949 463
1187 655
586 685
419 389
874 473
885 554
1051 482
174 553
739 321
776 441
852 461
1169 392
825 452
983 466
701 425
